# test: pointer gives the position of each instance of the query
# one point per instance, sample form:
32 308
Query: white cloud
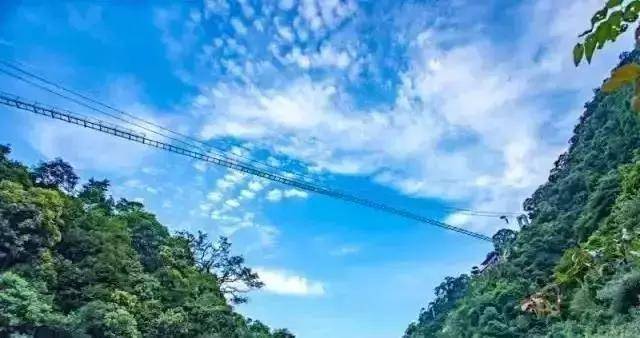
248 194
471 118
284 31
214 196
286 283
216 7
205 207
247 9
230 180
133 183
469 122
86 149
233 203
458 219
200 166
255 185
275 195
223 184
289 193
235 176
239 27
274 162
327 56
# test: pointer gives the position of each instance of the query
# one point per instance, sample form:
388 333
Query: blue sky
421 104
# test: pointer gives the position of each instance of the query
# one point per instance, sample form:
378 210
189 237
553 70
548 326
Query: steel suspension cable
68 117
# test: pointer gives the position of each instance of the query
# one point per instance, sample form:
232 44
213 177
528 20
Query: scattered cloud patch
256 185
283 282
443 134
274 195
247 194
295 193
200 166
232 203
214 196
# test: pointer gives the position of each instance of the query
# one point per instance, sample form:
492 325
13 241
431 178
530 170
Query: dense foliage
575 271
607 24
75 263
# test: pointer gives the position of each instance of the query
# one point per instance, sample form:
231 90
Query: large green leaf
633 6
613 3
630 16
615 21
578 52
603 33
599 16
590 46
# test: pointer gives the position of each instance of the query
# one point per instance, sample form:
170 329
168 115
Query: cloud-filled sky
421 104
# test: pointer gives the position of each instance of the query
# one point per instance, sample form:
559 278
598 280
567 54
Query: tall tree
95 195
503 240
56 174
234 277
84 265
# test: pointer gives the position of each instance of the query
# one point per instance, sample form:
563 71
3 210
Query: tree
29 222
84 265
126 206
258 329
283 333
94 195
11 170
431 319
23 308
56 174
581 253
215 258
5 150
503 240
147 234
109 320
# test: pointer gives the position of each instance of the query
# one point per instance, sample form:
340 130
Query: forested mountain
74 263
575 270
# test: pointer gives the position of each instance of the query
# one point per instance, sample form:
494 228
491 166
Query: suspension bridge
187 146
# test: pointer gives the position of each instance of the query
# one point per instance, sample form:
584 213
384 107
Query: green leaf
615 19
603 33
599 16
586 32
630 17
633 7
613 3
578 52
590 46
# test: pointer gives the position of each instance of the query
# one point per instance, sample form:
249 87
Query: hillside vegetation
575 271
73 262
